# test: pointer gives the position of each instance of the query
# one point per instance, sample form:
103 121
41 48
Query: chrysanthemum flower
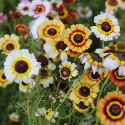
51 30
56 48
93 60
96 78
122 4
3 18
68 2
84 91
16 15
81 107
3 81
14 117
24 7
21 28
111 109
39 8
106 27
24 87
9 43
20 65
112 4
120 46
36 25
46 76
84 13
115 60
63 15
67 70
76 38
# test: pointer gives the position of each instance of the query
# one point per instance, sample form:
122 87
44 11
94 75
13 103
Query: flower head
16 15
3 18
14 117
20 65
21 28
112 4
111 109
106 27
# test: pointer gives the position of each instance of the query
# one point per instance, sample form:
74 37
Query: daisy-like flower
96 78
120 46
115 60
21 28
84 91
9 43
3 18
107 27
46 76
39 8
122 4
81 107
46 113
63 15
24 87
84 13
56 48
76 38
16 15
36 25
51 30
14 117
112 4
114 77
93 60
68 2
3 81
24 7
67 70
20 65
111 109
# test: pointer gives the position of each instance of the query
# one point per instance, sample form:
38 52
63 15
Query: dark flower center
84 12
43 73
95 76
24 83
52 32
84 91
120 56
106 27
42 59
112 47
16 15
121 46
21 66
61 45
65 72
61 14
39 9
3 76
25 8
68 1
10 47
115 109
95 57
112 2
82 106
78 38
50 17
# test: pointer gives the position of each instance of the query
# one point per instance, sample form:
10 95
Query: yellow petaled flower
14 117
51 30
120 46
112 4
95 78
9 43
111 109
76 38
84 91
3 81
80 107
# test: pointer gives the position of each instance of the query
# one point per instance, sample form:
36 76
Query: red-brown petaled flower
73 54
25 35
111 109
21 28
68 2
16 15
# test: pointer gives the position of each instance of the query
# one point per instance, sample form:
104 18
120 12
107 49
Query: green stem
9 27
67 95
103 44
103 85
28 112
86 117
58 86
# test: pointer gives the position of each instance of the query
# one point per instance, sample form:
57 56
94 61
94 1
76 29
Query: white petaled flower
36 24
93 60
24 7
84 12
67 70
107 27
14 117
46 76
20 65
56 48
40 112
39 8
23 87
122 4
